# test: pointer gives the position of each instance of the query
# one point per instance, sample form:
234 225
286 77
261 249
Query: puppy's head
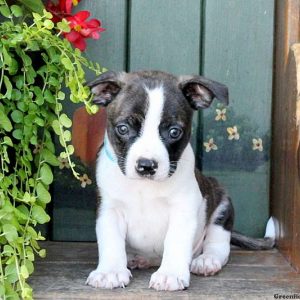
150 115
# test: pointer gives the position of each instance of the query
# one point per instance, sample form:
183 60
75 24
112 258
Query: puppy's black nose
146 166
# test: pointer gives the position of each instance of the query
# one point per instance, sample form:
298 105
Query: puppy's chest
147 223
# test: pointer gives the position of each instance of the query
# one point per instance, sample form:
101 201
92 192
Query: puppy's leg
112 269
216 249
174 273
216 246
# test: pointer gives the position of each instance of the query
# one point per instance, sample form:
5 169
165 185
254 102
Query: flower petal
93 23
81 16
72 36
80 44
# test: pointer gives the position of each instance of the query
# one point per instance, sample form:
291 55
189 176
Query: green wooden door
229 41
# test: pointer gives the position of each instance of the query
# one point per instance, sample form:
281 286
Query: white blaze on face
149 145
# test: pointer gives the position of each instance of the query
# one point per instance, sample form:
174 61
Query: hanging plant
36 63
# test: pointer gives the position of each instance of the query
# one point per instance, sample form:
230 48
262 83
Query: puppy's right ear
106 87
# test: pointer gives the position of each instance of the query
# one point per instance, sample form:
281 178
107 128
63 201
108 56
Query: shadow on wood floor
248 275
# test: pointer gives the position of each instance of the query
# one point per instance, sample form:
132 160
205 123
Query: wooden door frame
285 168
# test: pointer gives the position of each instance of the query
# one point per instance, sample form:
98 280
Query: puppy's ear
200 91
106 87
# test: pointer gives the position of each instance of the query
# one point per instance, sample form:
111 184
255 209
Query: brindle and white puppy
156 209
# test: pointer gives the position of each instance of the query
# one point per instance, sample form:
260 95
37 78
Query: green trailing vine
35 65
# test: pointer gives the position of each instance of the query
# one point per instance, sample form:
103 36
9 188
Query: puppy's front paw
162 281
109 280
206 265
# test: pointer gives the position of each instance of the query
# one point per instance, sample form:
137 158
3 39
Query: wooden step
248 275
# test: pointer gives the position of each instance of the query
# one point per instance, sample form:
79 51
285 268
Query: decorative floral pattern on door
233 142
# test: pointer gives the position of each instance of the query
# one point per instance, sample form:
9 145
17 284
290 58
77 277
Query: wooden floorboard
248 275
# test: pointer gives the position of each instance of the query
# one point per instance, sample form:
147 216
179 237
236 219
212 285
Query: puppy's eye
175 133
122 129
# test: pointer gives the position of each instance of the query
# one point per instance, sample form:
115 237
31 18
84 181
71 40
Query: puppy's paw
109 280
206 265
162 281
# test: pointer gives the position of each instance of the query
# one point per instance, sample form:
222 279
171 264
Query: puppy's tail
249 243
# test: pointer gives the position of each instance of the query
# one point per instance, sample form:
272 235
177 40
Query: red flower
82 29
61 9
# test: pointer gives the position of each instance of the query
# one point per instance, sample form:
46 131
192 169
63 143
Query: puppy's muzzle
146 167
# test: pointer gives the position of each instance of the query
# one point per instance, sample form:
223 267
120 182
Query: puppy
156 208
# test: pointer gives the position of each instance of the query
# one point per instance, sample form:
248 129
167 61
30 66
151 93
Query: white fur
157 222
270 229
149 144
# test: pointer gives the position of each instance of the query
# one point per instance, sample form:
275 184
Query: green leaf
11 272
39 95
67 63
65 121
8 250
22 106
63 155
29 253
7 141
10 232
49 157
26 292
17 116
56 127
6 56
67 135
49 97
46 174
33 5
39 214
16 10
8 86
48 24
24 272
33 140
22 212
13 67
63 26
39 121
42 253
61 95
42 193
94 109
5 11
70 149
27 197
5 122
18 134
29 265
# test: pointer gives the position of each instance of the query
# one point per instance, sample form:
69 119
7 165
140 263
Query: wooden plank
285 169
73 253
73 217
71 263
238 47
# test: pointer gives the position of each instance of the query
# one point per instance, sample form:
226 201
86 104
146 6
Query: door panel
229 41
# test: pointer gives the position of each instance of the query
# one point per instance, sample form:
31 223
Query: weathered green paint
73 216
238 47
166 35
111 49
229 41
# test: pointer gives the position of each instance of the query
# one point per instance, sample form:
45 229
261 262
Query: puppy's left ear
106 87
200 91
